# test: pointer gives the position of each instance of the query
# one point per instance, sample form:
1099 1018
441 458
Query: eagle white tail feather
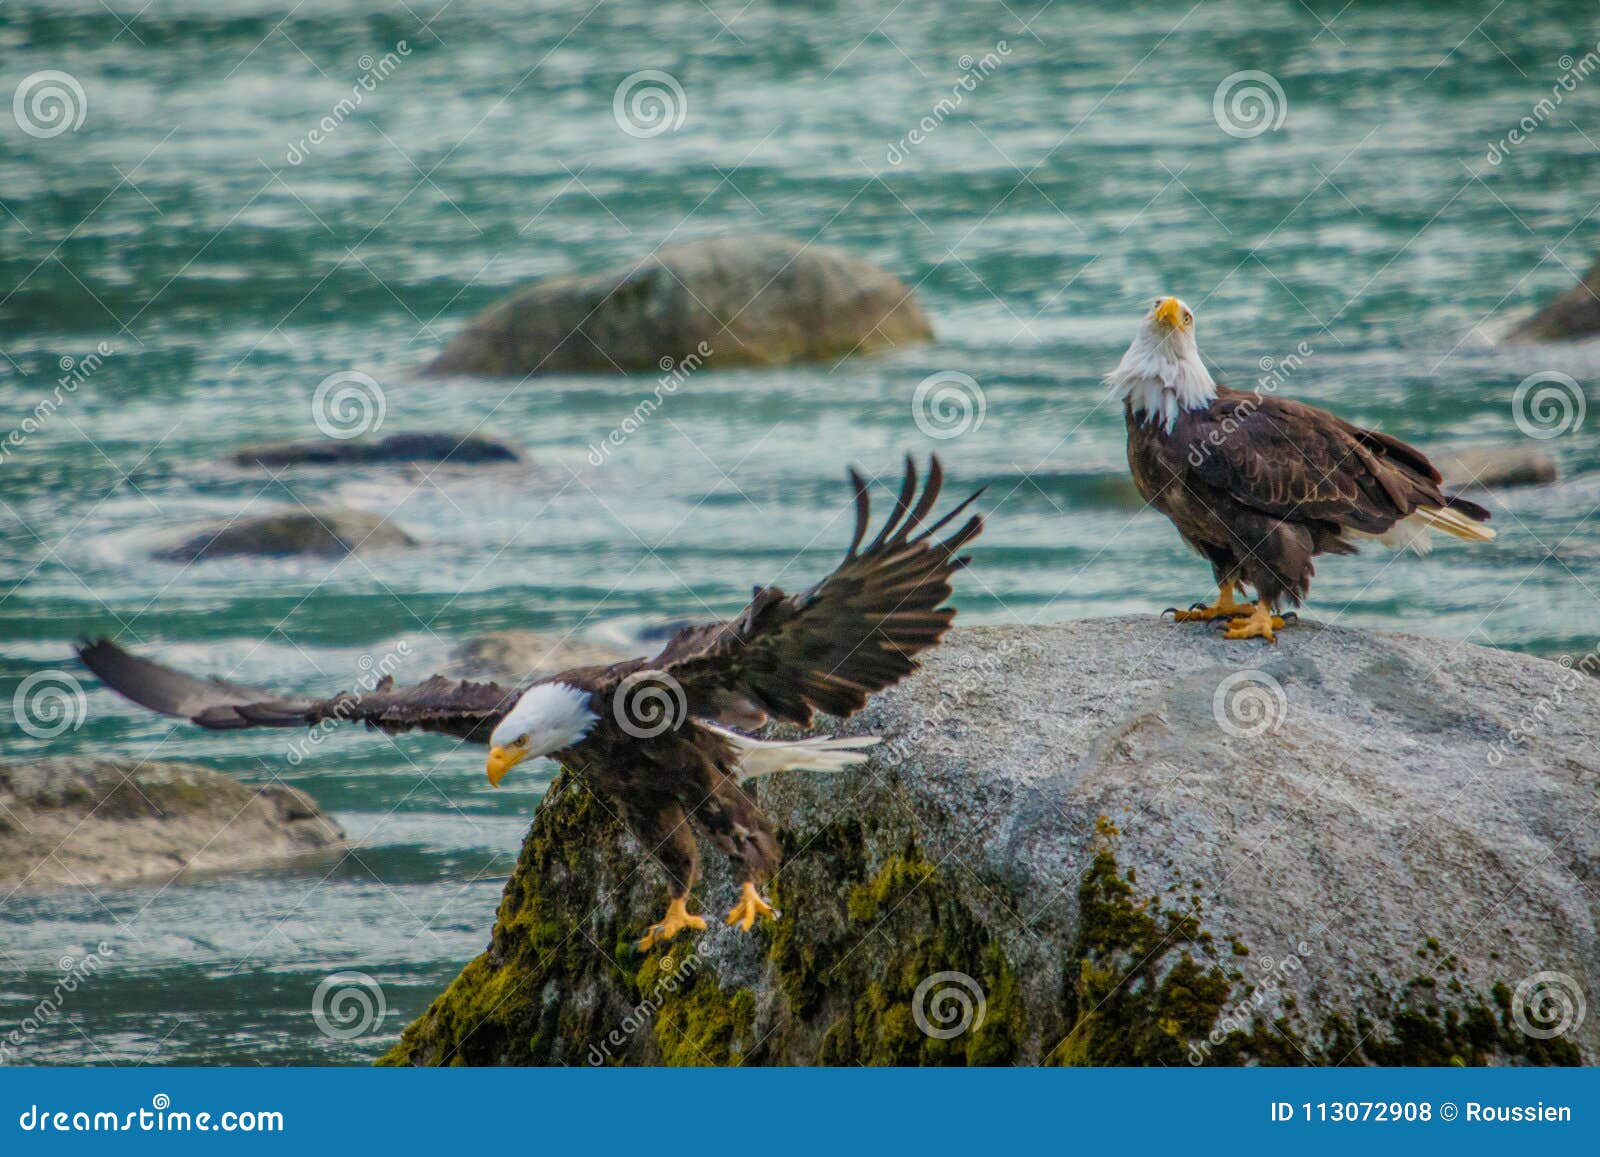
759 757
1414 532
1453 522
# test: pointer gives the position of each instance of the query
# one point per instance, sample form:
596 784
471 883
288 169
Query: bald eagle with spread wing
1259 484
656 735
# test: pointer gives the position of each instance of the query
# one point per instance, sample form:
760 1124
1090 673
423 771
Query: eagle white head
548 717
1162 374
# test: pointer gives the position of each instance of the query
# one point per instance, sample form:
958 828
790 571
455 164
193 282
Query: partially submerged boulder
1117 841
330 532
1497 466
70 821
1575 314
516 655
395 449
728 301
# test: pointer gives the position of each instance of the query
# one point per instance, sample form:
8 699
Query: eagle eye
521 740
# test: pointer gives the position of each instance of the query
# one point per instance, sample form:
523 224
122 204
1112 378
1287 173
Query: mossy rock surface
1079 846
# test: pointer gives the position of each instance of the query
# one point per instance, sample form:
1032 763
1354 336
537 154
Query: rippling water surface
229 265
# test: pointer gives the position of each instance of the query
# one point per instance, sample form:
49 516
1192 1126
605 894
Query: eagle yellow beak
502 760
1169 312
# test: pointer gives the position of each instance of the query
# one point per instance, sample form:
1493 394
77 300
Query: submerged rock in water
1116 841
517 656
65 820
1491 466
456 449
729 301
330 532
1575 314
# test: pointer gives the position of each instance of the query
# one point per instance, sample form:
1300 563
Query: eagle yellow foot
1260 624
750 906
1223 608
675 921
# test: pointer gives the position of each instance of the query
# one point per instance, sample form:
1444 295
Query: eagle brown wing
1296 462
852 634
466 710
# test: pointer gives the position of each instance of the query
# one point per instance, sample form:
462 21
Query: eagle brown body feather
1260 485
784 657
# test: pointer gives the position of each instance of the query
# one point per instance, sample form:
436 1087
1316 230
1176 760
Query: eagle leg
675 921
1223 608
750 906
1260 625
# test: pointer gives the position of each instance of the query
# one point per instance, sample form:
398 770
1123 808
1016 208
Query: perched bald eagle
652 735
1259 484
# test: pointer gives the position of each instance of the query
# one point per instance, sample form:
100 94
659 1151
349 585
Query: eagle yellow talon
1223 608
675 921
1260 624
750 906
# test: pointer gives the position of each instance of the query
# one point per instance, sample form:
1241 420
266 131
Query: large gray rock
729 301
71 821
1133 842
330 532
1575 314
1495 466
519 655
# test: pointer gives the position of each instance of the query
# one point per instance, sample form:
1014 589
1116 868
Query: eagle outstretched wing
464 709
1294 461
852 634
